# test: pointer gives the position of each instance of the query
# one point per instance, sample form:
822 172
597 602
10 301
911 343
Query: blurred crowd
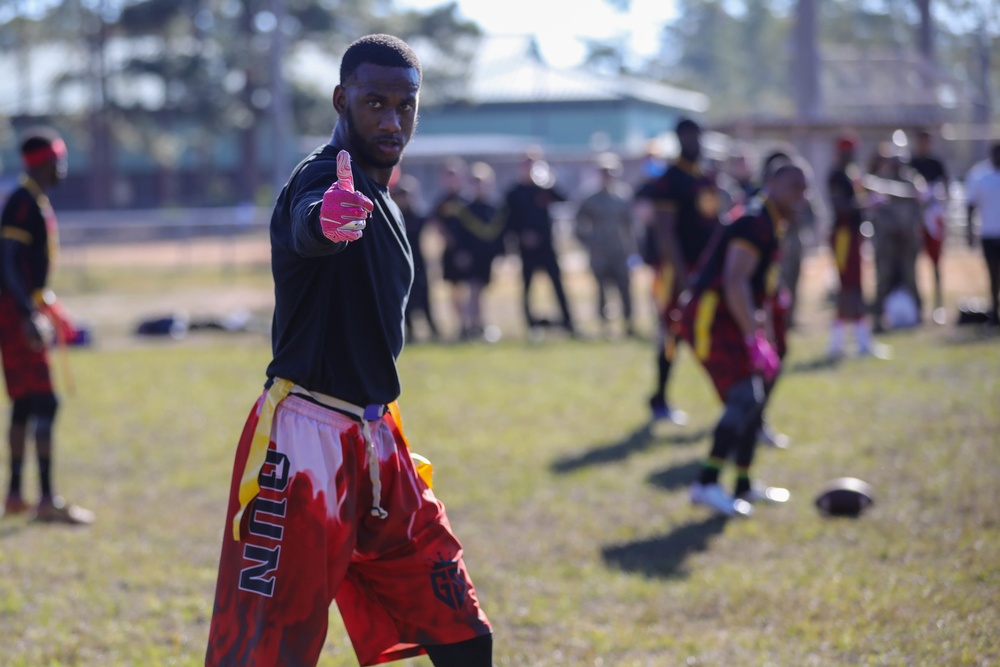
724 240
900 199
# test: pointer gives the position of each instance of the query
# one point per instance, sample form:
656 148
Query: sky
557 30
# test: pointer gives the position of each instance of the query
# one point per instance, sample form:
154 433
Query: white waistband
337 404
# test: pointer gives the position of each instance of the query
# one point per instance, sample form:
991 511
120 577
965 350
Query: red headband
36 157
846 143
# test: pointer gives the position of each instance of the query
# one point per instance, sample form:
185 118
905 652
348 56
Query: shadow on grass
821 363
973 335
8 529
638 440
678 476
664 556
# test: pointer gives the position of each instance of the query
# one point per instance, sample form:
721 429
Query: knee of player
740 410
44 408
20 411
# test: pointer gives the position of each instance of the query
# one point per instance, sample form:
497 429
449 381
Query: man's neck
38 180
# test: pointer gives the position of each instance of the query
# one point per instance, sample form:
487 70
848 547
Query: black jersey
844 184
528 210
761 230
694 197
471 226
931 168
338 315
449 212
28 221
415 224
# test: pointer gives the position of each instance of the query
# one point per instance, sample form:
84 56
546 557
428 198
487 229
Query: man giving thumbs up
325 502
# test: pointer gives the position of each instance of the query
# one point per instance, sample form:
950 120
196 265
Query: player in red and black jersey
686 207
848 201
28 244
934 230
728 318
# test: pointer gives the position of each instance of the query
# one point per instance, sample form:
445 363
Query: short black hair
787 168
38 137
686 124
995 155
382 50
775 156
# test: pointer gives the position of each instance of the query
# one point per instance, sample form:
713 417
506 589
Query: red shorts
934 231
25 370
716 341
846 244
309 538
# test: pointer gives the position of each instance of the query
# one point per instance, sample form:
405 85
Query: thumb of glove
345 177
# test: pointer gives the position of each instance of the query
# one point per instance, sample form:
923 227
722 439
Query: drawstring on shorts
366 415
278 390
373 471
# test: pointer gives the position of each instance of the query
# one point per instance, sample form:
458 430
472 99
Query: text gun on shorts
343 212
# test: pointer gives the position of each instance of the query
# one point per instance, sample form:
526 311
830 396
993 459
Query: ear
339 99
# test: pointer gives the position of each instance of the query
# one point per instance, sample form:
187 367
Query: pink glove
763 358
344 211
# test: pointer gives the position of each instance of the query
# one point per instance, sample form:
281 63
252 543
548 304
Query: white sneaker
774 495
712 495
876 351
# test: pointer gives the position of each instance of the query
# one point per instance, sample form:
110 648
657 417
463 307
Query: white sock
837 337
863 335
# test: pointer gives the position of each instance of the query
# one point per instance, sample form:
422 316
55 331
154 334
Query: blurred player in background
894 199
687 211
484 227
728 318
934 230
326 502
406 194
984 196
28 246
529 219
604 225
473 238
848 202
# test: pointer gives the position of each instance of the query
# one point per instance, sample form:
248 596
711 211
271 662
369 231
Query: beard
362 146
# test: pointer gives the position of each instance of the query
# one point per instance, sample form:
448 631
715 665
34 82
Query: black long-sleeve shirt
338 317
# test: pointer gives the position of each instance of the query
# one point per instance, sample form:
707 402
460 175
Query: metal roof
508 70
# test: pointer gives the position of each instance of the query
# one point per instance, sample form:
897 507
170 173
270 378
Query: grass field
572 509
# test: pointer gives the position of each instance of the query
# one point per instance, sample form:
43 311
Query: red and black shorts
26 370
717 341
934 231
846 244
309 538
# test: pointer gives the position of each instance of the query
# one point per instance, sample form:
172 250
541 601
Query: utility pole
281 106
101 170
805 62
925 33
23 46
983 109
